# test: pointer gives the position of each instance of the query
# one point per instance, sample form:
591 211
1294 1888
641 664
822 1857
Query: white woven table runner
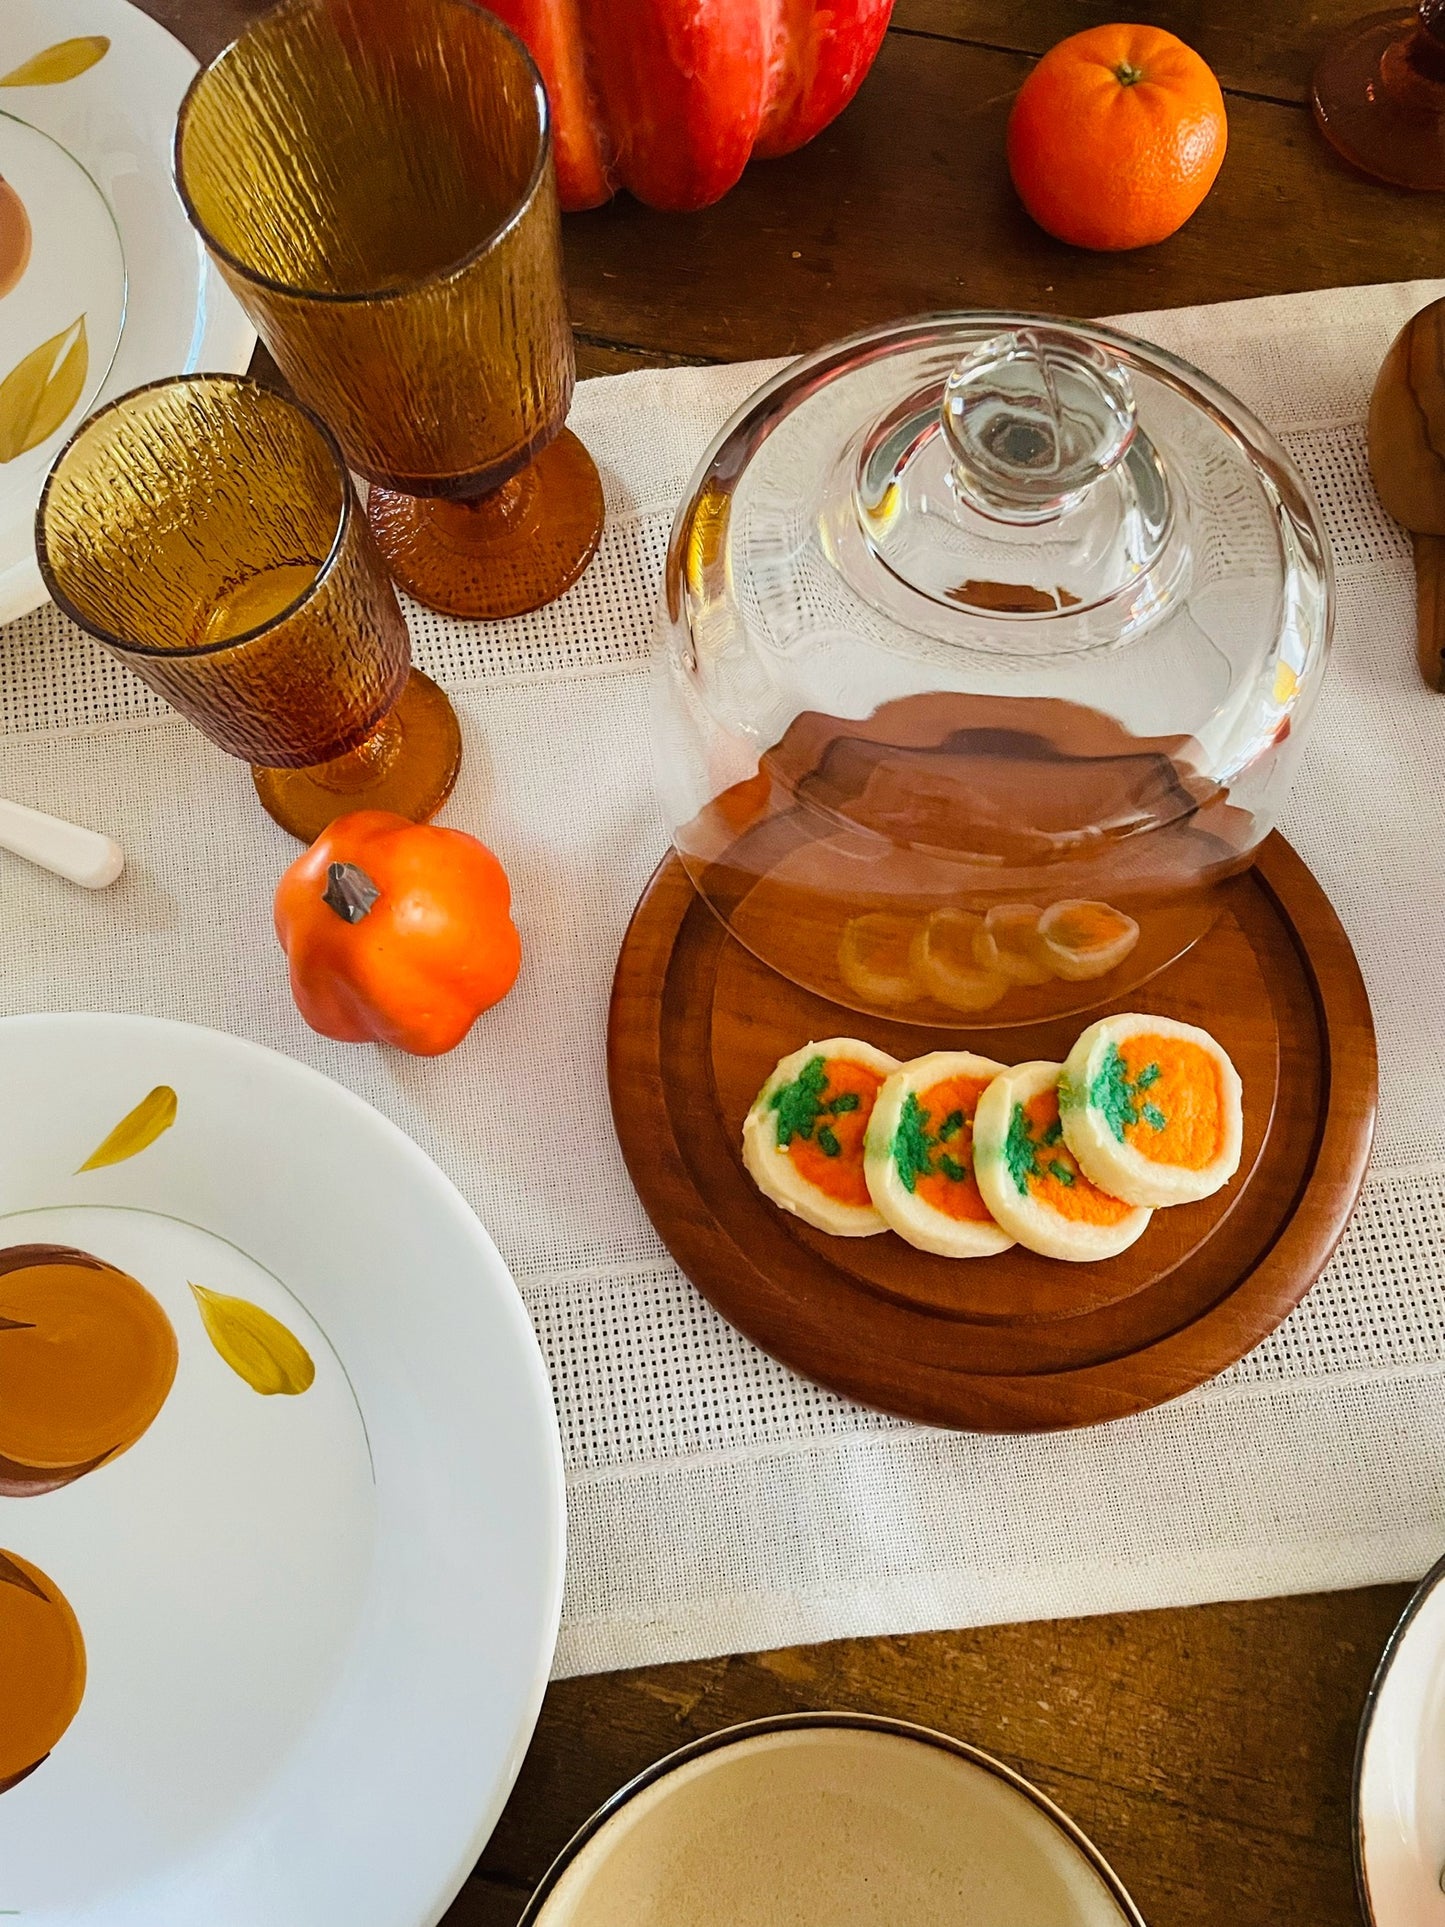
719 1503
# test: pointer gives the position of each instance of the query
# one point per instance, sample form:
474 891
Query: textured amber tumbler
207 532
374 179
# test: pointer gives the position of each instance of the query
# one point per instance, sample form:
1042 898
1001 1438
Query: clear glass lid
984 614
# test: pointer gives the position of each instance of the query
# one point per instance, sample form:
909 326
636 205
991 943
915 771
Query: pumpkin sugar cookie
1080 940
1153 1109
875 959
918 1155
803 1137
945 962
1009 943
1031 1181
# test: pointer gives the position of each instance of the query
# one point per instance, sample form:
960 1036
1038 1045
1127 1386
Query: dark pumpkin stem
1128 76
13 1575
349 891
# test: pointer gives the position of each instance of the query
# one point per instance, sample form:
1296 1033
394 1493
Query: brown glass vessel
1379 95
206 531
375 182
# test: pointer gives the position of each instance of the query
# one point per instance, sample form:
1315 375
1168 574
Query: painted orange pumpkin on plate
14 238
87 1358
43 1678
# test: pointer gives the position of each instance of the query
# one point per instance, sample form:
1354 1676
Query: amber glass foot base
1379 101
409 766
500 554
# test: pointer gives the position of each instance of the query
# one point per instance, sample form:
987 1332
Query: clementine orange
1116 137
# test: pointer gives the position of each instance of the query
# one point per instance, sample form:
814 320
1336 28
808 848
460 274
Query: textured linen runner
717 1502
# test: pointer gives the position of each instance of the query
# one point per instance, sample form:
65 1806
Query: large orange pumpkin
671 98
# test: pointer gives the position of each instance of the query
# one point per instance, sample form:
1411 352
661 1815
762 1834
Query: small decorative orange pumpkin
397 932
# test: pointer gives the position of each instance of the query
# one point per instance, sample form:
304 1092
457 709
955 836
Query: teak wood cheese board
1013 1342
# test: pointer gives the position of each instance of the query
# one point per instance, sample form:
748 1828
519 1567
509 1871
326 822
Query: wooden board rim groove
1311 1222
1018 1289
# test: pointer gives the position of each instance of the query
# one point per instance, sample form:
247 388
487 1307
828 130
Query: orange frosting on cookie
831 1157
1182 1082
1054 1176
1088 926
955 1197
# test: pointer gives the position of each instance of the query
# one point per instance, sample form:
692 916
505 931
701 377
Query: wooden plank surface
904 205
1208 1751
1268 50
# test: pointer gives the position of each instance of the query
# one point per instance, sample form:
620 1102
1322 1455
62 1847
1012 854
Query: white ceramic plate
85 149
1400 1771
317 1624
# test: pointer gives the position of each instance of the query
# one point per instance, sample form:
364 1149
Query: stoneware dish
1399 1796
103 286
281 1502
830 1820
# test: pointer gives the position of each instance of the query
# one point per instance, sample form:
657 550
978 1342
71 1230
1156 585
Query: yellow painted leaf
1286 682
256 1346
155 1113
39 392
63 61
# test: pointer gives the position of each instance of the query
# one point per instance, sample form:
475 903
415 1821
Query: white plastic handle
84 856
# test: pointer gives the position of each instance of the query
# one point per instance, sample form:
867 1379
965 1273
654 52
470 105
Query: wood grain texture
1269 51
904 206
205 26
1406 426
1208 1750
1010 1343
1406 438
1430 607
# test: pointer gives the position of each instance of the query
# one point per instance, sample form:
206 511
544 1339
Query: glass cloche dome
991 642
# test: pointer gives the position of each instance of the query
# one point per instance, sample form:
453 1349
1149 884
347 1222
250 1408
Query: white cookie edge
1033 1225
1119 1168
773 1171
916 1222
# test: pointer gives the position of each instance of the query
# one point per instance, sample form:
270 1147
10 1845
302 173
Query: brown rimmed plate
1399 1820
810 1816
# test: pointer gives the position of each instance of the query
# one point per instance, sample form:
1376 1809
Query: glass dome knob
1032 419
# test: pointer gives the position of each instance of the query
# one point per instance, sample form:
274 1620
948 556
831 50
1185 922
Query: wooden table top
1207 1751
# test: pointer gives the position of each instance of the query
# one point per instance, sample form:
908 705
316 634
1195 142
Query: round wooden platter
1015 1342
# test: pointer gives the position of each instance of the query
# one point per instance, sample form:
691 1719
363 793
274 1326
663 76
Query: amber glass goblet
374 179
1379 95
207 532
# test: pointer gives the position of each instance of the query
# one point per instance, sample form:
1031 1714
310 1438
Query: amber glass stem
360 768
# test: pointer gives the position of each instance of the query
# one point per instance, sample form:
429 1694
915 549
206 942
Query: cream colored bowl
830 1820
